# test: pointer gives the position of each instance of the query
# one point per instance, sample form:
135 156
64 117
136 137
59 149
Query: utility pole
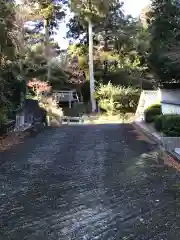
20 20
91 64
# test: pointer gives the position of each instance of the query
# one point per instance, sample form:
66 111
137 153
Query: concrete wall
150 97
170 101
147 98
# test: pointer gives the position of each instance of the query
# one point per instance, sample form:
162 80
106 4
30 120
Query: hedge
158 123
152 112
168 124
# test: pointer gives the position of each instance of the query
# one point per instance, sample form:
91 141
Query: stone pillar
22 120
17 121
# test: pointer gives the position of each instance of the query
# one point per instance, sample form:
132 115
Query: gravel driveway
87 182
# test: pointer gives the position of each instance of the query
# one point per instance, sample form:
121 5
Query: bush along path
168 124
117 99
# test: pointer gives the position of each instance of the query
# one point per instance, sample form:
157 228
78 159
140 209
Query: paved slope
86 182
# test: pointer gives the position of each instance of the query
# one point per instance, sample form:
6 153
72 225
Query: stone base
177 151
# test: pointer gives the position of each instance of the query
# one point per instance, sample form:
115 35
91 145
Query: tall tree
165 34
90 10
36 63
21 17
36 67
7 46
47 14
119 42
8 54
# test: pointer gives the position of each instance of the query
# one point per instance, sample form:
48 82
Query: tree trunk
47 49
106 50
21 62
91 67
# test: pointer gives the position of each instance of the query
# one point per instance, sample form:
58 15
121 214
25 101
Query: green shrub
152 112
172 133
3 115
157 105
114 99
171 125
168 124
158 123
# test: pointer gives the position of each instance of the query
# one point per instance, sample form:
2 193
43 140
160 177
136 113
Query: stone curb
147 133
164 156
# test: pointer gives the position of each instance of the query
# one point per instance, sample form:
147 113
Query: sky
132 7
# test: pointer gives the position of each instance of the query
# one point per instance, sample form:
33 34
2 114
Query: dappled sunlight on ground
111 119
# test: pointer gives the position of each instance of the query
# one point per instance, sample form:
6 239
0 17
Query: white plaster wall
147 98
170 109
150 97
170 96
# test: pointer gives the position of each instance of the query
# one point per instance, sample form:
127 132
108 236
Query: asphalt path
82 182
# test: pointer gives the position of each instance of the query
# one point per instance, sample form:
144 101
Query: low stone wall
170 143
169 160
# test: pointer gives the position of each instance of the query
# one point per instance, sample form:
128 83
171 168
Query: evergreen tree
8 57
7 48
165 34
47 14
